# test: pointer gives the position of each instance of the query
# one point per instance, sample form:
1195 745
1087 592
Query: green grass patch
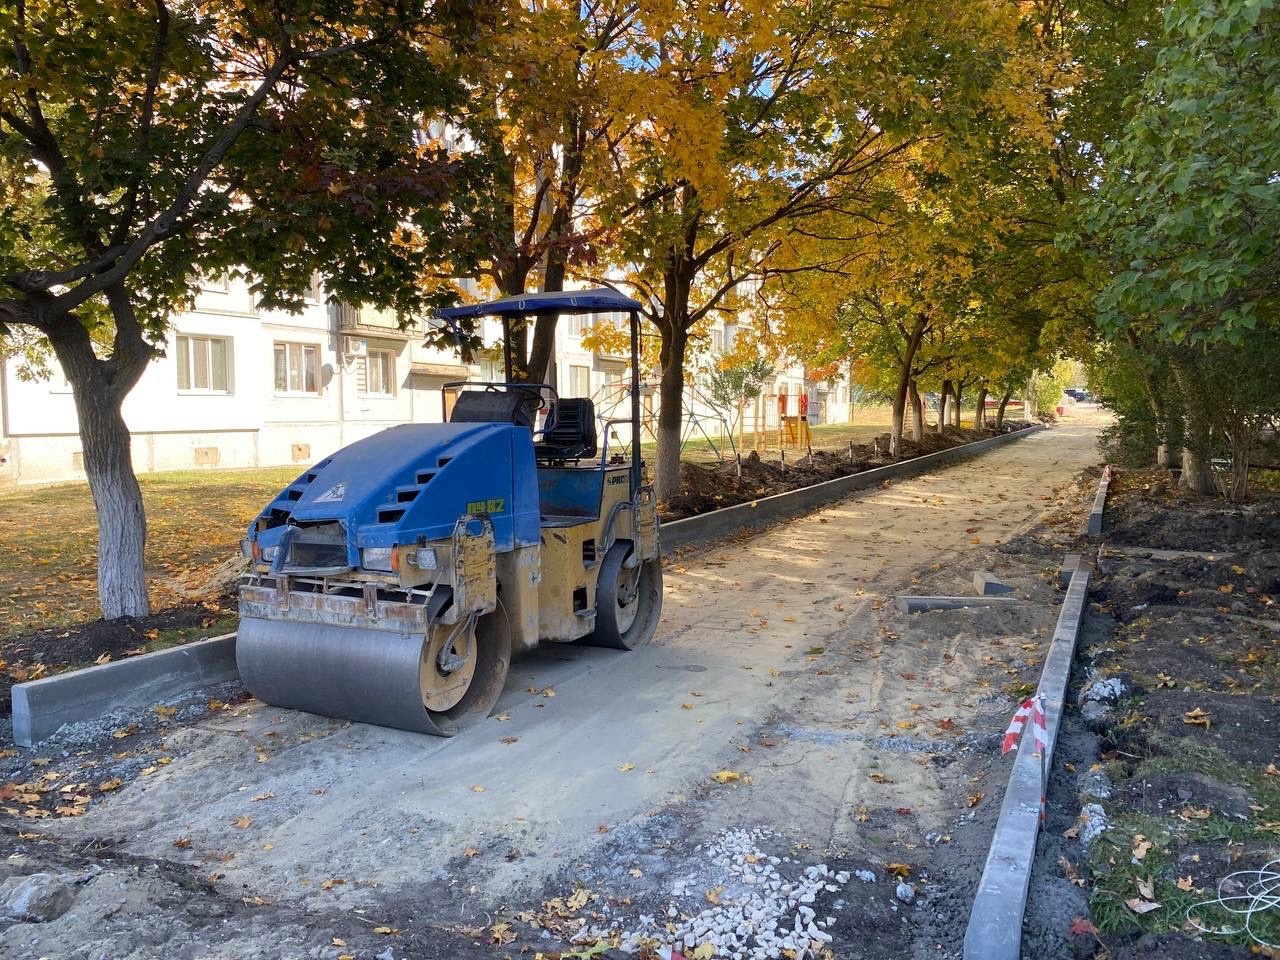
49 540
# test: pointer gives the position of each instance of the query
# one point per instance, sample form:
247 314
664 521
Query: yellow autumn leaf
704 951
626 768
726 776
107 786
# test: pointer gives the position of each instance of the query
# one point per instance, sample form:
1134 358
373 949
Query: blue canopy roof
599 300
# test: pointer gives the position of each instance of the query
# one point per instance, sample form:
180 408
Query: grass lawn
829 436
48 540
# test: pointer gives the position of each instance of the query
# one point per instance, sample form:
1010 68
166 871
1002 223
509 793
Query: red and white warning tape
1030 709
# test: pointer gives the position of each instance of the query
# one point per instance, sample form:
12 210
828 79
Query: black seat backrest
570 432
485 406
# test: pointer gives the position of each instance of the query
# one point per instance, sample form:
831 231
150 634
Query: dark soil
1191 746
47 652
707 488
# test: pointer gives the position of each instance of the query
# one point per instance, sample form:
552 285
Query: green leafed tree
1188 210
144 144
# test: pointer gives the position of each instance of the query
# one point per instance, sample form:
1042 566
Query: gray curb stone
41 707
995 922
1099 503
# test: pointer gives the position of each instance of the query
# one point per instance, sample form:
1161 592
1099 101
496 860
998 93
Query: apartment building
239 386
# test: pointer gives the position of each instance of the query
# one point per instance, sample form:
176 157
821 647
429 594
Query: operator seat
570 433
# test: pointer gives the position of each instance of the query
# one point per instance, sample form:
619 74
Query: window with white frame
380 373
717 340
579 381
297 368
204 364
578 323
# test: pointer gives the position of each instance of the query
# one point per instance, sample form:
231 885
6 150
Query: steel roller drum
353 673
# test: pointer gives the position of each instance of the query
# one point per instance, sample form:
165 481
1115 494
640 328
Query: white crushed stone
762 910
1093 821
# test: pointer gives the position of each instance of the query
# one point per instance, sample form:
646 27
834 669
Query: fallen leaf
726 776
242 822
510 740
548 692
1141 906
626 768
1197 717
103 658
1185 883
1141 847
470 852
256 901
338 942
713 895
974 799
269 795
636 873
704 951
106 786
45 761
392 931
183 843
686 706
879 777
1146 888
1081 927
1272 770
331 883
166 712
477 788
900 870
502 716
862 815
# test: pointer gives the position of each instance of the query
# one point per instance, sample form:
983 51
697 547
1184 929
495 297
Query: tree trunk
99 388
1197 471
944 406
670 412
980 416
907 359
1004 402
917 412
958 388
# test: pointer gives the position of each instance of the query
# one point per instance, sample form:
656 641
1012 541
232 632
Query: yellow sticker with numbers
478 507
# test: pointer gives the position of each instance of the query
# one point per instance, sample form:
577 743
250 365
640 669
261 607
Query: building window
380 373
315 292
297 368
217 283
717 341
578 324
579 381
204 364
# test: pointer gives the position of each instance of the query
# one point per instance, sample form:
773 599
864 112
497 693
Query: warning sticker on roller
333 494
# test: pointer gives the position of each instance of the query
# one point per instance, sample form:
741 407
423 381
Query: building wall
247 421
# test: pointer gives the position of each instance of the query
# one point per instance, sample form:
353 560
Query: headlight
424 558
377 558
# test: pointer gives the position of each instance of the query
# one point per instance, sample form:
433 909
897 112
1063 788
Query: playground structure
772 421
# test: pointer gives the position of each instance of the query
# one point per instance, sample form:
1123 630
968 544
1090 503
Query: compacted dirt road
789 750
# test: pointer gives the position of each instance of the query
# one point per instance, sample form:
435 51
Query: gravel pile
761 906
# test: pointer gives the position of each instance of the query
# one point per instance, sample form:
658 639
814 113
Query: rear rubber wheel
628 600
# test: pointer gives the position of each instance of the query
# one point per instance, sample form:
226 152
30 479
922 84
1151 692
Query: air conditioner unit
355 347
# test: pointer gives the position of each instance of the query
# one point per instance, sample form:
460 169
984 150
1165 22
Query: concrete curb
1099 503
41 707
781 506
907 604
995 922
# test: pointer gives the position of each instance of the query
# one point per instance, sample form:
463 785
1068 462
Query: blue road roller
392 582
